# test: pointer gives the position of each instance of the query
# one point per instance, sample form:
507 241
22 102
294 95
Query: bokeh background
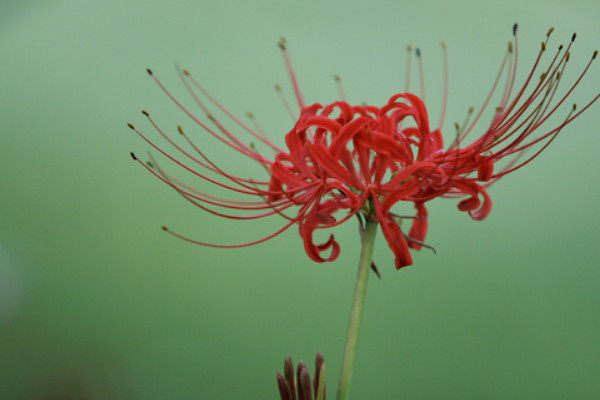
97 302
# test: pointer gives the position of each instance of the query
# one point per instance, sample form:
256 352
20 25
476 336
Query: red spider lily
342 160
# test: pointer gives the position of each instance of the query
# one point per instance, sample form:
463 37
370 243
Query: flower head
341 160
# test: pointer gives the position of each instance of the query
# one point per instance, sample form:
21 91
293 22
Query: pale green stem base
360 291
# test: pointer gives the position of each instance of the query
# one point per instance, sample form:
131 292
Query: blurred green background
97 302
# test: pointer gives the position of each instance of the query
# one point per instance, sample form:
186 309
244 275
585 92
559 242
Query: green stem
360 291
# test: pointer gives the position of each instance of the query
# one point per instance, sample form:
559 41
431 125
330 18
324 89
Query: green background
97 302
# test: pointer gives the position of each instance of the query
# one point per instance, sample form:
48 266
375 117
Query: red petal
485 168
333 167
321 122
394 237
419 227
346 133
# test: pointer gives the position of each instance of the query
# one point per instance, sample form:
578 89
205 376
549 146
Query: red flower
342 160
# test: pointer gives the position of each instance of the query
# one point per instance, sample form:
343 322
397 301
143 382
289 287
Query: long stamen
568 93
258 127
340 89
537 90
164 153
222 200
508 116
161 132
556 132
510 78
209 115
264 165
285 103
408 64
233 246
421 73
552 83
489 97
445 95
186 74
192 198
290 68
241 147
572 115
150 167
213 167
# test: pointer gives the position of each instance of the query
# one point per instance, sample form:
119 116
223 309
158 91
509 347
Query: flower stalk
360 290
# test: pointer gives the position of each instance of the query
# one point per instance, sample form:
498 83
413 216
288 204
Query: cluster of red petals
344 160
356 159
